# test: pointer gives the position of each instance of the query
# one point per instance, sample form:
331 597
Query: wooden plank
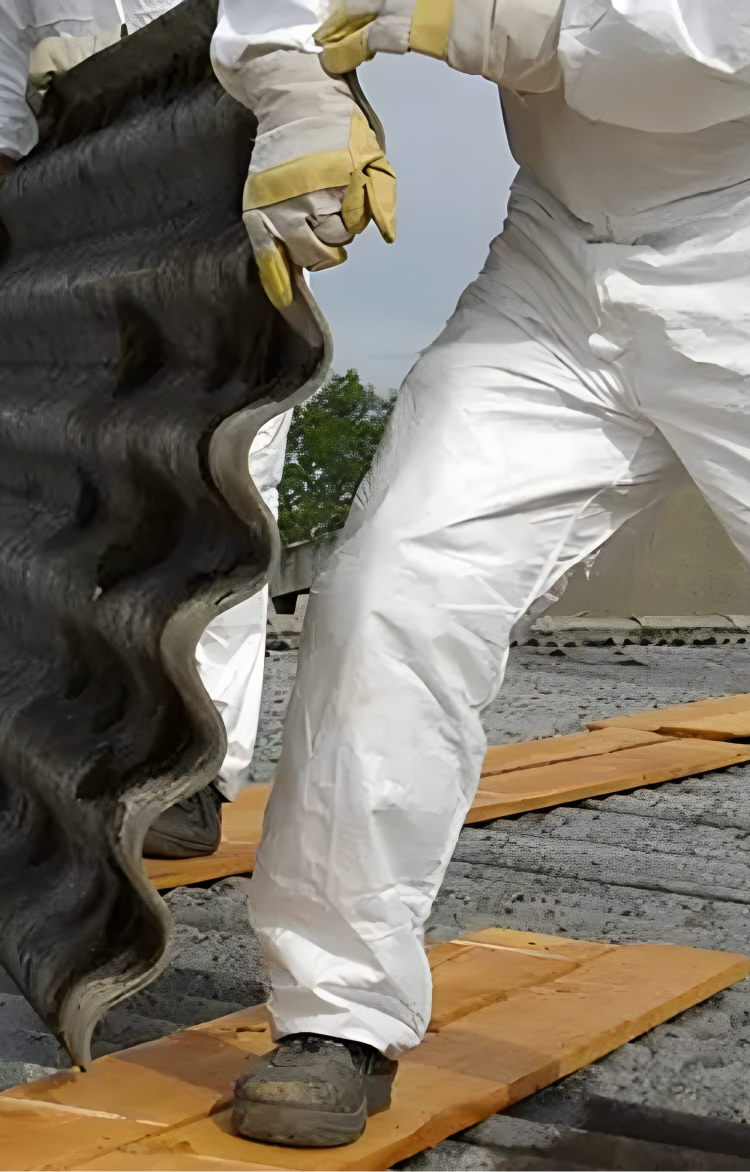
552 1029
466 978
243 819
654 718
35 1134
589 777
232 858
473 1066
557 946
550 750
132 1156
132 1095
715 728
515 778
242 826
427 1106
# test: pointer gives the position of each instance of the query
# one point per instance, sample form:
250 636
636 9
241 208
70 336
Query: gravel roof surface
668 863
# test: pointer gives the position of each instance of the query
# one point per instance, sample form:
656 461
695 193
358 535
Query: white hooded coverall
44 35
607 337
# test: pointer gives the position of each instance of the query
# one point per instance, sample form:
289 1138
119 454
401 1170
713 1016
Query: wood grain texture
230 859
550 750
721 727
36 1134
511 783
571 781
241 831
513 1012
654 718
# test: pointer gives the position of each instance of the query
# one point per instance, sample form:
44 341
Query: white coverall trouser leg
578 367
231 651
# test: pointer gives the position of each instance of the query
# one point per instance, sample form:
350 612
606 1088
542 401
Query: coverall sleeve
510 42
18 128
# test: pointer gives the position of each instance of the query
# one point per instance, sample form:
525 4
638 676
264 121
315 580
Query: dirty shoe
312 1091
188 829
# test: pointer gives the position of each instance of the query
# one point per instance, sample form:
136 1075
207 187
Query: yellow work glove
343 39
310 229
307 231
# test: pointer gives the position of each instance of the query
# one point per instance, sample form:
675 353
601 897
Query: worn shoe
189 829
313 1091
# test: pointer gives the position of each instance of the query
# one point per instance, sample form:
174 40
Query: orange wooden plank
466 978
242 826
549 1030
556 946
36 1134
480 1063
232 858
143 1155
715 728
588 777
515 778
550 750
130 1095
243 819
427 1106
122 1083
654 718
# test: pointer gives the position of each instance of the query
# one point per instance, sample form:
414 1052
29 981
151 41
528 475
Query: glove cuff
297 177
510 42
351 166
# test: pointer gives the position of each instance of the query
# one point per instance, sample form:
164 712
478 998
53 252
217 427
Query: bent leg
231 651
498 472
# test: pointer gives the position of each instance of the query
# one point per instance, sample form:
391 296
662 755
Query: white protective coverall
43 36
607 337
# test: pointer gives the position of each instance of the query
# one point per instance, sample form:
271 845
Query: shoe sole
297 1126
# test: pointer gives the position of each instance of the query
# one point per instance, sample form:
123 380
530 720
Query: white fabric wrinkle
717 35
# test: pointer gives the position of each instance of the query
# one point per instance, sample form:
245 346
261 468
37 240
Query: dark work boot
313 1091
188 829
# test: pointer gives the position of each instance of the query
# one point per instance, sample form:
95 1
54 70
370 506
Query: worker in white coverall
606 338
39 38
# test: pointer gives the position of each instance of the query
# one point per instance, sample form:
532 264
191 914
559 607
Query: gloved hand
318 173
307 230
310 230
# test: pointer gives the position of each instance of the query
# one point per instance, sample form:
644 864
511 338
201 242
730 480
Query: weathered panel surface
138 356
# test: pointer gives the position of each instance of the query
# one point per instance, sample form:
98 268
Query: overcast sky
446 142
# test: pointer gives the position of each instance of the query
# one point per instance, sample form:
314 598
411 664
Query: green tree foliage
331 443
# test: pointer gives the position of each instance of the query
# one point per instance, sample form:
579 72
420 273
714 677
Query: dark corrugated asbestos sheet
138 356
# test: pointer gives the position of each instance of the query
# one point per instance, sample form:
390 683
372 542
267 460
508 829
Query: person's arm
18 128
317 174
510 42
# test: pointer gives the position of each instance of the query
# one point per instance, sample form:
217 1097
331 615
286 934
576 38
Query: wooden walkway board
230 859
729 727
515 778
513 1012
656 718
243 823
551 750
589 777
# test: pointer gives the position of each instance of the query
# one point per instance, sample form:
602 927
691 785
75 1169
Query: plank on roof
571 781
628 758
476 1063
654 718
721 727
550 750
